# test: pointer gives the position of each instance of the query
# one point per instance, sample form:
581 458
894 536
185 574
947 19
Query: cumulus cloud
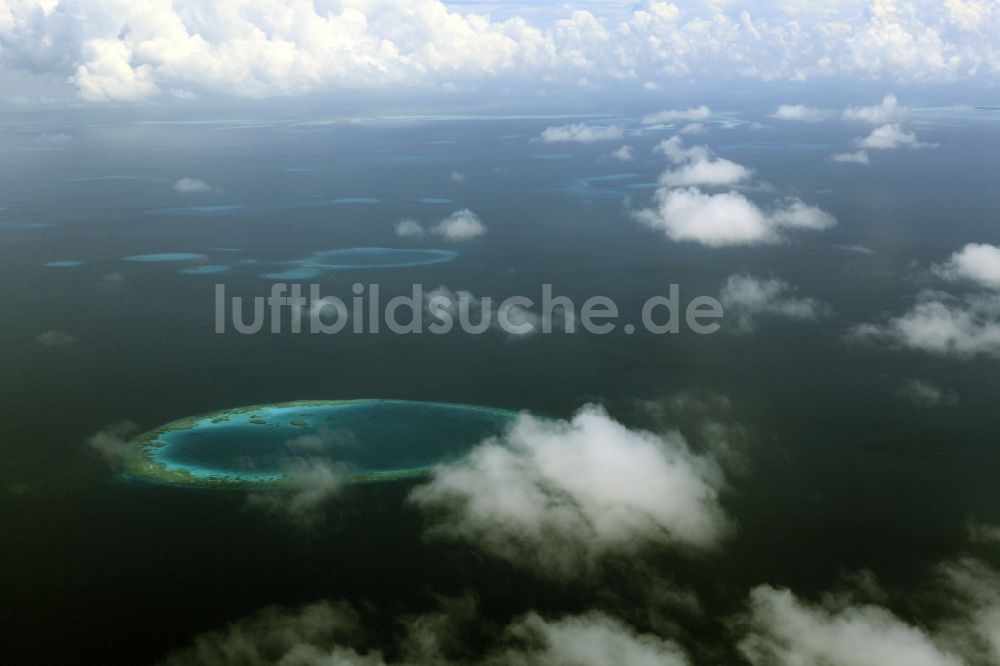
707 421
462 225
456 177
335 633
191 186
559 496
308 636
879 114
694 113
923 393
890 137
858 157
593 639
474 313
409 228
709 172
973 589
697 166
111 51
581 133
315 474
798 112
983 532
317 480
678 153
114 442
55 339
693 128
728 218
942 324
749 298
685 213
978 263
624 154
784 631
854 627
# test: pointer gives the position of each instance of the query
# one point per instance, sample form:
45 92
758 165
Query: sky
117 52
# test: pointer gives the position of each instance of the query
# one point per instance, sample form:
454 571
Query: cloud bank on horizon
112 51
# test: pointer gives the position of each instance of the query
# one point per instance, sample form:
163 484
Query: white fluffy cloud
697 166
334 634
464 306
559 496
317 480
749 298
710 172
923 393
114 442
462 225
847 629
890 137
941 324
580 133
798 112
879 114
850 627
976 262
787 632
409 228
593 639
114 51
858 157
728 218
624 154
684 212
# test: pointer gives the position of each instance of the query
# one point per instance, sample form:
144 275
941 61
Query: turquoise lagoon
165 257
359 257
260 446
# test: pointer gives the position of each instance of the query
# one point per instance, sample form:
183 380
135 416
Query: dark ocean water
842 475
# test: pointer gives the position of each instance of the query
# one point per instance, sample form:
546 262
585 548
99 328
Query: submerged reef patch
66 263
164 257
269 445
205 269
359 257
21 226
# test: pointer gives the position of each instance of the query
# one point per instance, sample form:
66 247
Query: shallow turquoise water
364 438
208 269
164 257
66 263
199 210
357 200
17 226
359 257
95 179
